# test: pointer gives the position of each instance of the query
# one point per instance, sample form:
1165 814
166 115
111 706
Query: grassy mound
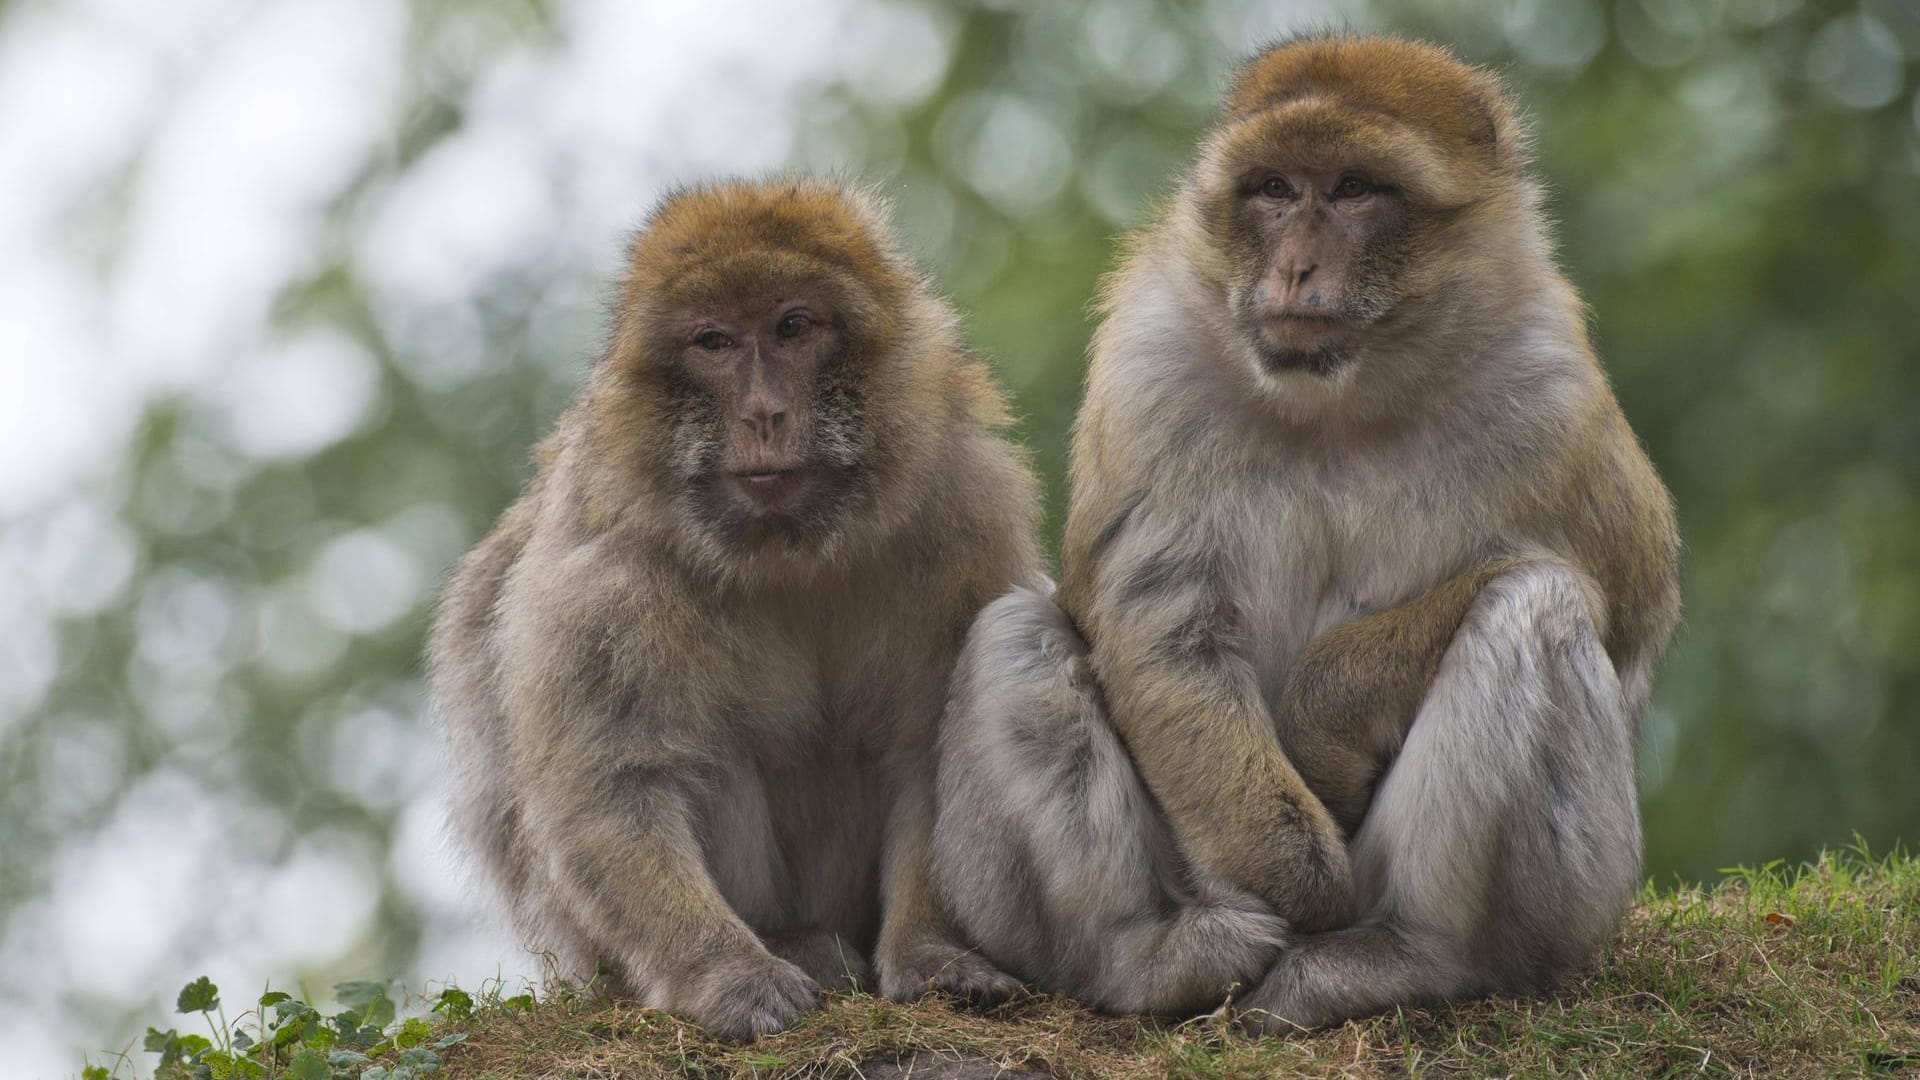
1808 971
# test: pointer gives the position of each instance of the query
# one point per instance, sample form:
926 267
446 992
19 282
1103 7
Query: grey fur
1049 851
1504 844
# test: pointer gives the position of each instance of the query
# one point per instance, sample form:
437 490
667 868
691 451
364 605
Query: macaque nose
764 419
1293 278
1284 283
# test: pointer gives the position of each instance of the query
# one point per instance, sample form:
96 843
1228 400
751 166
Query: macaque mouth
768 476
772 490
1307 314
1322 361
1294 340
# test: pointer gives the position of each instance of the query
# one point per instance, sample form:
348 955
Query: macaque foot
1233 943
1270 1008
824 955
745 997
934 964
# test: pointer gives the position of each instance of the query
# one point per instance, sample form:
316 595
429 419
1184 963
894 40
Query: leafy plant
283 1036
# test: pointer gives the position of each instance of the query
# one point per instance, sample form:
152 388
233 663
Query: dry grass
1806 972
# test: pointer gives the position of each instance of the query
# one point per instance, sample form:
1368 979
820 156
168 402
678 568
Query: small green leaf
158 1041
420 1058
309 1065
200 995
377 1072
274 997
359 993
370 997
346 1059
454 1004
414 1031
242 1040
95 1072
521 1002
454 1039
192 1046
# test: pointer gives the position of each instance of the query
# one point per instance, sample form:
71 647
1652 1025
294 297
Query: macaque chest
1332 557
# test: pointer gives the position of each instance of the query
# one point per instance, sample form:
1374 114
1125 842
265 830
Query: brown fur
1317 91
695 763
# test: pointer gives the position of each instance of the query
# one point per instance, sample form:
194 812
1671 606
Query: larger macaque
1365 580
691 679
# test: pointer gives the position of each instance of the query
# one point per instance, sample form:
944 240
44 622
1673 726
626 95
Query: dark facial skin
775 452
1324 244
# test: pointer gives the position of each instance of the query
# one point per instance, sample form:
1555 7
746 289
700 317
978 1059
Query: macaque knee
1541 599
1021 645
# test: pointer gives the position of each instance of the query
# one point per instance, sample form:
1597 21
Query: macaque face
767 439
1319 252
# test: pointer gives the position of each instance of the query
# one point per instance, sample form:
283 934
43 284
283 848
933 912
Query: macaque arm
1353 693
1188 707
623 857
623 854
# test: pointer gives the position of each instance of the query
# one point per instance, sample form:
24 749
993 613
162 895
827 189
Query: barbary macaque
691 679
1364 583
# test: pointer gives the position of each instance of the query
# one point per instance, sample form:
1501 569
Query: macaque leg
627 869
1504 843
917 953
1354 691
1051 857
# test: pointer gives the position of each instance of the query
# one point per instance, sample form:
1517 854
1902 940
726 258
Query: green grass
1779 971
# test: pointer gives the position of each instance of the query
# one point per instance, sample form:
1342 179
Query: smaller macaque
691 679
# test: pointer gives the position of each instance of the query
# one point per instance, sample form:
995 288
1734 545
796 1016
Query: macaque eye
794 324
1352 187
712 340
1276 187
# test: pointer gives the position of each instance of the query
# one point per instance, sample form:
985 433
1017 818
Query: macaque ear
1496 128
1483 130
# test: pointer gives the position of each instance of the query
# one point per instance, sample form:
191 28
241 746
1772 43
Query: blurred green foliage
1737 186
